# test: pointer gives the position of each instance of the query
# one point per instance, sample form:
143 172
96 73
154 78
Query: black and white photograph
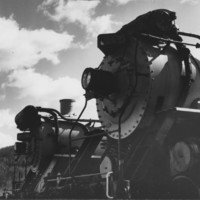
99 99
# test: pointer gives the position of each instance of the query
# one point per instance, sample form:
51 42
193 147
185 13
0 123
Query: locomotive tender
148 142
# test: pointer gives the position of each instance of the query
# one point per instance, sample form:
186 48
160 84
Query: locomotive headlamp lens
86 78
100 82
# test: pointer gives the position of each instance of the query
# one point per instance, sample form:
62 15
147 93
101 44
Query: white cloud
7 128
195 52
192 2
2 97
43 88
6 118
90 111
72 11
20 47
81 13
120 2
101 24
6 140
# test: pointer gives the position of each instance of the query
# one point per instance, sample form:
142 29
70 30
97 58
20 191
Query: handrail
74 177
197 45
189 34
107 185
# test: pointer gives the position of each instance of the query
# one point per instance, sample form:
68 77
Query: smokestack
65 106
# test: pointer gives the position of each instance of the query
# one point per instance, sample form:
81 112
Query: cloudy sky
46 44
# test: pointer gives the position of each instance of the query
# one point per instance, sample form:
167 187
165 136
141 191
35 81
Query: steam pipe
189 34
51 111
67 119
90 136
70 134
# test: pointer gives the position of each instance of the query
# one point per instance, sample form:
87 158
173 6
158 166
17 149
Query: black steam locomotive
147 144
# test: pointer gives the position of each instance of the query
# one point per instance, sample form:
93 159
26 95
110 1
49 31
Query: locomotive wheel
184 188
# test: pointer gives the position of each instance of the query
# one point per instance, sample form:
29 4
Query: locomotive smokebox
149 80
66 106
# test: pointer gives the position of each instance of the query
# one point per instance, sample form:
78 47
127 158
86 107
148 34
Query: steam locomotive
146 143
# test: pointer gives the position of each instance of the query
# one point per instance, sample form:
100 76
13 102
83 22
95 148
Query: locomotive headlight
86 78
27 118
99 82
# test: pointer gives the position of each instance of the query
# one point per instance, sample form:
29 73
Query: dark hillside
6 167
7 160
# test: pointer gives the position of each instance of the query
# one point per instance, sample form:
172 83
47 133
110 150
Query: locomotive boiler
147 144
